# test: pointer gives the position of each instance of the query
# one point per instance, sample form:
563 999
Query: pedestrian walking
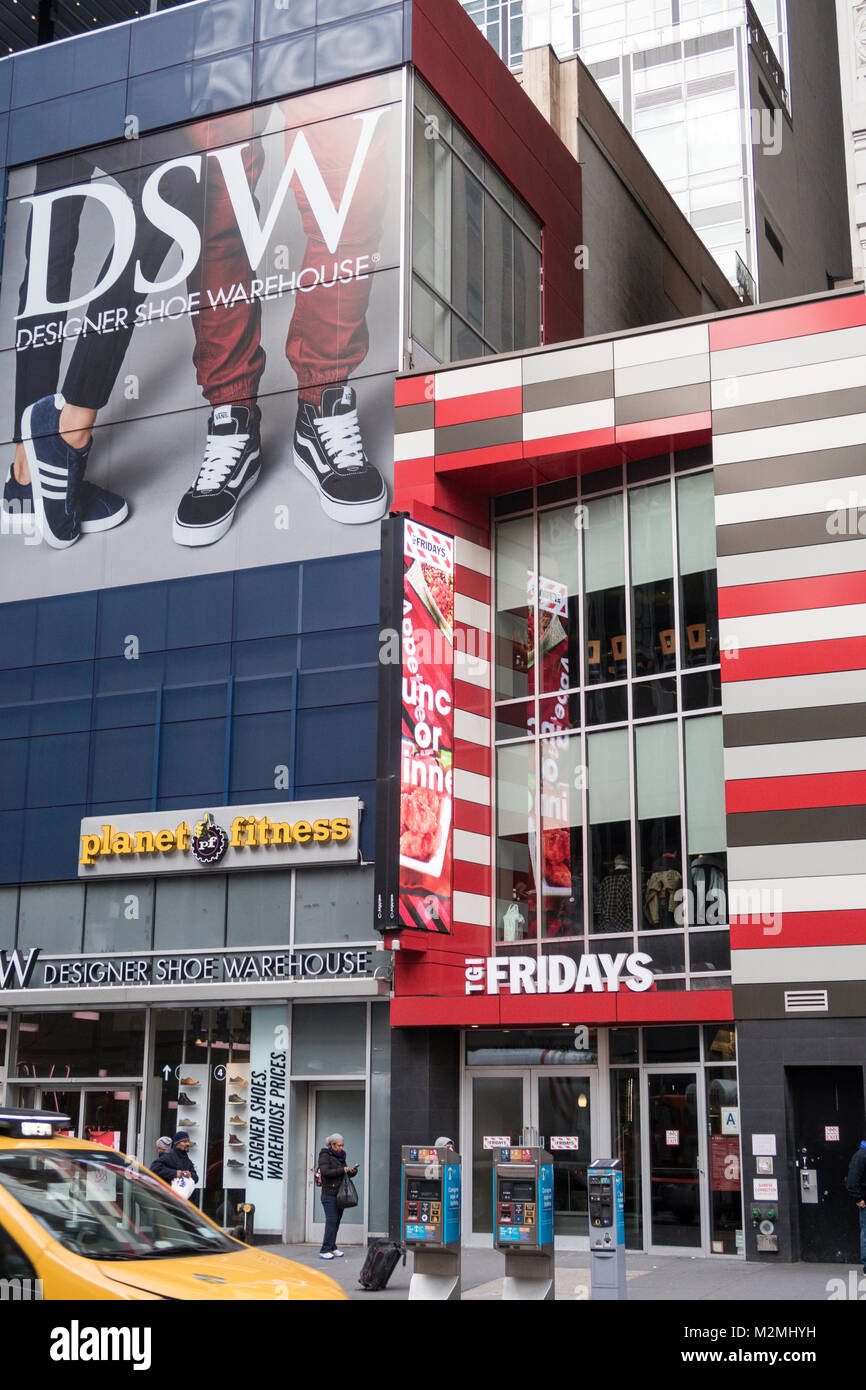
333 1167
857 1189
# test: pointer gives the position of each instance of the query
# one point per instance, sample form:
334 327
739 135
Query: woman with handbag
338 1192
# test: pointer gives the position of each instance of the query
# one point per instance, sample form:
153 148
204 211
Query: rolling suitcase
381 1260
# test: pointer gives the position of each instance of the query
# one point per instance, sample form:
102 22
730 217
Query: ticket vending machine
523 1222
430 1206
606 1230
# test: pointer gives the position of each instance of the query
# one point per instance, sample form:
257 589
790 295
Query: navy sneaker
100 509
231 465
62 503
329 451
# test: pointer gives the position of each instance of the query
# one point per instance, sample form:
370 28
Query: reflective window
476 248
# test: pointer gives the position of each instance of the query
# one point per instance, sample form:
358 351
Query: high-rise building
737 107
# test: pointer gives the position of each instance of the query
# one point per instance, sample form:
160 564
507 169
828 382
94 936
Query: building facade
257 216
736 106
656 907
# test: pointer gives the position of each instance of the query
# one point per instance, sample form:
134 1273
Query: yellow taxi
92 1224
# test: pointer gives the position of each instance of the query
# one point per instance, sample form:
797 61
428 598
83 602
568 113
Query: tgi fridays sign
24 969
558 974
275 835
413 854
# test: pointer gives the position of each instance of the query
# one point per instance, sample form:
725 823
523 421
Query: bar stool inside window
697 639
593 660
618 652
668 643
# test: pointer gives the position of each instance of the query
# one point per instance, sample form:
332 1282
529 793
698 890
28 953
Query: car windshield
104 1207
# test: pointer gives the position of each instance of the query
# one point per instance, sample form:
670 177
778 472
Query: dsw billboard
201 332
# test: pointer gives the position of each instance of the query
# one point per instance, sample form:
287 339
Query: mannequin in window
613 905
662 895
708 873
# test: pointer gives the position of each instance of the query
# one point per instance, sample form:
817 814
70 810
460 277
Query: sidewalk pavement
669 1278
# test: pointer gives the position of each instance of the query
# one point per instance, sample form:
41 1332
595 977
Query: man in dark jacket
169 1165
857 1189
332 1167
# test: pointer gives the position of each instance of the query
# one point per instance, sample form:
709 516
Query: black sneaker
185 1100
232 460
329 451
56 474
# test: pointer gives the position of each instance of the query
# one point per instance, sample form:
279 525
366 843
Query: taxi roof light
31 1124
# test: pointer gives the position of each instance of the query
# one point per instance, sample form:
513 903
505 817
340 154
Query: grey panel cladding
829 999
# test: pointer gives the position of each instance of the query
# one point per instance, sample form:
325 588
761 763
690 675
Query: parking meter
430 1218
606 1229
523 1221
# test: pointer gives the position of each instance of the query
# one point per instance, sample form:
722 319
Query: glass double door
104 1116
537 1107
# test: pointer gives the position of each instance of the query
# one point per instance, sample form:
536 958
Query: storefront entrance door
540 1106
676 1159
104 1116
337 1110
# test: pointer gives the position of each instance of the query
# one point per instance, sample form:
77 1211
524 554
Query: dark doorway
825 1100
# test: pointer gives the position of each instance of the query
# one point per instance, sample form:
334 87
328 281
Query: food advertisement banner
414 860
199 331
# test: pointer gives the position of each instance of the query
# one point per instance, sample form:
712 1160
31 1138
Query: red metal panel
795 793
847 928
472 757
471 699
472 878
413 390
468 815
795 659
745 330
423 1012
672 432
791 595
471 584
671 1006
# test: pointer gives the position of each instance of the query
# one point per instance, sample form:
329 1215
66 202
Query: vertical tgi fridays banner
200 334
416 729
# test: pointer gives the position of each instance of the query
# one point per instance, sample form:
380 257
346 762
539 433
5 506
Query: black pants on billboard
97 357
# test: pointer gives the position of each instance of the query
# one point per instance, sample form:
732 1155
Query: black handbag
347 1195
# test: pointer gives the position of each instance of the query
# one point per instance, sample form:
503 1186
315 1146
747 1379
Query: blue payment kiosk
430 1209
523 1221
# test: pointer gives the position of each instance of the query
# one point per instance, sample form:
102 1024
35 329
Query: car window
104 1207
14 1264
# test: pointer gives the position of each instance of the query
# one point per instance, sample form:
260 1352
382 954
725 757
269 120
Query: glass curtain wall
610 785
476 255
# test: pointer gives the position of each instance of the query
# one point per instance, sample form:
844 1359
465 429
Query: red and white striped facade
781 395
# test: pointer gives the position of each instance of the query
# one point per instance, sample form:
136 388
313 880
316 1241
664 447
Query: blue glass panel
111 809
62 698
18 625
338 687
185 702
194 31
4 140
5 82
347 9
53 70
57 771
11 844
337 745
50 844
207 798
341 592
261 743
86 118
260 695
200 610
116 674
286 66
137 611
192 758
13 773
197 665
268 658
286 18
122 764
65 628
360 46
122 711
191 90
345 647
266 602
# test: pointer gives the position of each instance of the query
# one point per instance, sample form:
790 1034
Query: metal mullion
536 742
681 752
583 734
632 755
